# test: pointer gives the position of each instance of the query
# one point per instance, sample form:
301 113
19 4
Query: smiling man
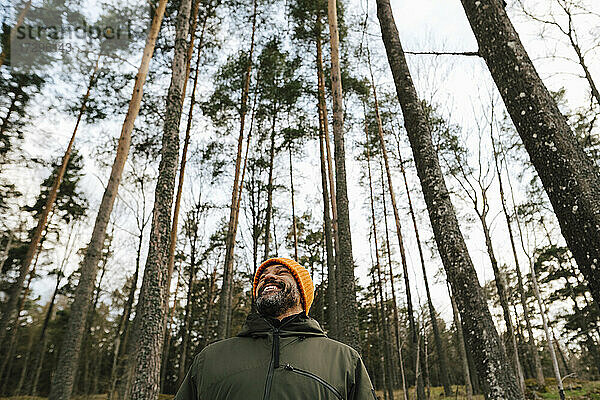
281 353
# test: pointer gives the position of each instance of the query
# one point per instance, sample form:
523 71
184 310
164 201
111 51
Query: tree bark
10 310
483 339
167 342
326 177
569 177
62 381
226 288
348 320
154 294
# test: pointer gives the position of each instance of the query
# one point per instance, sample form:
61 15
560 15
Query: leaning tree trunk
483 339
569 177
348 320
62 381
226 288
326 177
10 310
154 295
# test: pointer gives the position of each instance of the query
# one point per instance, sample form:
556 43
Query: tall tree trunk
483 339
383 314
399 344
269 211
569 177
154 294
385 372
539 373
441 353
293 205
167 342
348 320
411 318
186 143
182 363
330 237
14 29
226 289
182 173
10 310
463 350
62 381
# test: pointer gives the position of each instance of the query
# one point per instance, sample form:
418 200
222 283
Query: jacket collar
294 325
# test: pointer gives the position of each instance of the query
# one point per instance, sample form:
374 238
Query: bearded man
281 353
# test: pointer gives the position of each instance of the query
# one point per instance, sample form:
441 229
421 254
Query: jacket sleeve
191 384
362 389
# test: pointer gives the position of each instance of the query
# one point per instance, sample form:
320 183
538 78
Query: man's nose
268 275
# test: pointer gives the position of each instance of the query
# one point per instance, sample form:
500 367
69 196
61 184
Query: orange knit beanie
305 284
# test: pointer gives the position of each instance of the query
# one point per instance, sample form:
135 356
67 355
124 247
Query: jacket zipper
316 378
273 364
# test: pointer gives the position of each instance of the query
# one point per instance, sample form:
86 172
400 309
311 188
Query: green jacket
288 360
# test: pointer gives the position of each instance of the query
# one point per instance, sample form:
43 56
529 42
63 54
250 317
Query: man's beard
276 304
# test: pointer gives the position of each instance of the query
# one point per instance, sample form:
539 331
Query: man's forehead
274 268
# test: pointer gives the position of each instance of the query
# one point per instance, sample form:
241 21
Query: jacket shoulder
341 347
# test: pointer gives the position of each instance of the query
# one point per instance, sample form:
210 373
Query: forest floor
574 390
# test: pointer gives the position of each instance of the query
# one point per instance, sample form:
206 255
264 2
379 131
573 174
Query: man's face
276 291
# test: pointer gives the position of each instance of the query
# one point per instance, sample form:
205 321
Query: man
281 353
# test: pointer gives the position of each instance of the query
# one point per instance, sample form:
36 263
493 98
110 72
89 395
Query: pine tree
154 295
346 295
